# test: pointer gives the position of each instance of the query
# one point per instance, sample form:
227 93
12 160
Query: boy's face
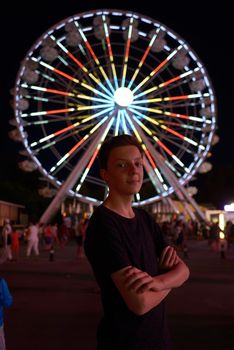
124 173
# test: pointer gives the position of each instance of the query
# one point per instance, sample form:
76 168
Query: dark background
209 32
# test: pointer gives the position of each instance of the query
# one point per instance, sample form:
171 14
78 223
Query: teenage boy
134 266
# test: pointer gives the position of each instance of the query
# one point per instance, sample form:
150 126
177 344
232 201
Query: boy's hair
114 142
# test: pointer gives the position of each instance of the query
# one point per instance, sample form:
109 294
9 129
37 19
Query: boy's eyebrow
138 158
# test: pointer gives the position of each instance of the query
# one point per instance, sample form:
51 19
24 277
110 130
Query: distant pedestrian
80 231
214 236
229 235
5 301
6 234
15 244
32 239
63 233
48 236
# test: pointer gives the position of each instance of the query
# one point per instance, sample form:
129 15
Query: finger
131 271
174 259
165 250
138 284
130 280
145 287
167 254
171 256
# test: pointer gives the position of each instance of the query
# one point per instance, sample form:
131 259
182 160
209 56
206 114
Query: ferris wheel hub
123 96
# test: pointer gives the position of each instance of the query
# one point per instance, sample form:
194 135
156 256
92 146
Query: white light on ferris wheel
123 96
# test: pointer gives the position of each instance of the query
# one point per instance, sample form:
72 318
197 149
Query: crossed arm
141 292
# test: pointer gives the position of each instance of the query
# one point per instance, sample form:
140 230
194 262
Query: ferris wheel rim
105 95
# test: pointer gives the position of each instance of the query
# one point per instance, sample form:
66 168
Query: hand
169 258
139 281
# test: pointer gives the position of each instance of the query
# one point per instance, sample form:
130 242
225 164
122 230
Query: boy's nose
132 166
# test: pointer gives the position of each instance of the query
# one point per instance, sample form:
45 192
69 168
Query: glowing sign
229 207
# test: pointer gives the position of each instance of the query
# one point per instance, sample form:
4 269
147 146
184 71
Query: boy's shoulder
143 213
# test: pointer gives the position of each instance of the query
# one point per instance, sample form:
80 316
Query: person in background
6 233
15 244
80 231
5 301
134 266
32 238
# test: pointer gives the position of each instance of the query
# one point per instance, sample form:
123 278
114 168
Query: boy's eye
123 164
138 164
127 164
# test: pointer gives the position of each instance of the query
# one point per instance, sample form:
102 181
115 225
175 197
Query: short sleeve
161 241
103 245
159 238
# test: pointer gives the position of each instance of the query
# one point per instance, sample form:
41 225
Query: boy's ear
103 174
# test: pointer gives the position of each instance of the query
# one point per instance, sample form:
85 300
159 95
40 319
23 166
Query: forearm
138 299
174 277
150 294
144 302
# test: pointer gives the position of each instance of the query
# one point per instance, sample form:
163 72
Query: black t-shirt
112 243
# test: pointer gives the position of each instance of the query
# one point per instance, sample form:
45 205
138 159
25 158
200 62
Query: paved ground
56 304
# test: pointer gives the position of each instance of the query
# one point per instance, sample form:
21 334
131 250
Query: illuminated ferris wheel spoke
150 165
155 177
95 58
79 64
73 126
93 157
146 152
182 116
123 123
56 119
142 60
157 69
157 156
156 171
126 54
165 121
117 123
75 174
111 57
164 113
76 147
52 112
98 106
162 145
91 98
59 132
172 131
165 99
70 94
52 91
75 80
178 78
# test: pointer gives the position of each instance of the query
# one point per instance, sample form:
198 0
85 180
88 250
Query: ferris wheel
106 72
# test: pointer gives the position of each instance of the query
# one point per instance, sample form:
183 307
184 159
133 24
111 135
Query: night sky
209 31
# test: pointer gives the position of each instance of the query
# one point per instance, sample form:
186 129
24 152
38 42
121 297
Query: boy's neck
123 208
